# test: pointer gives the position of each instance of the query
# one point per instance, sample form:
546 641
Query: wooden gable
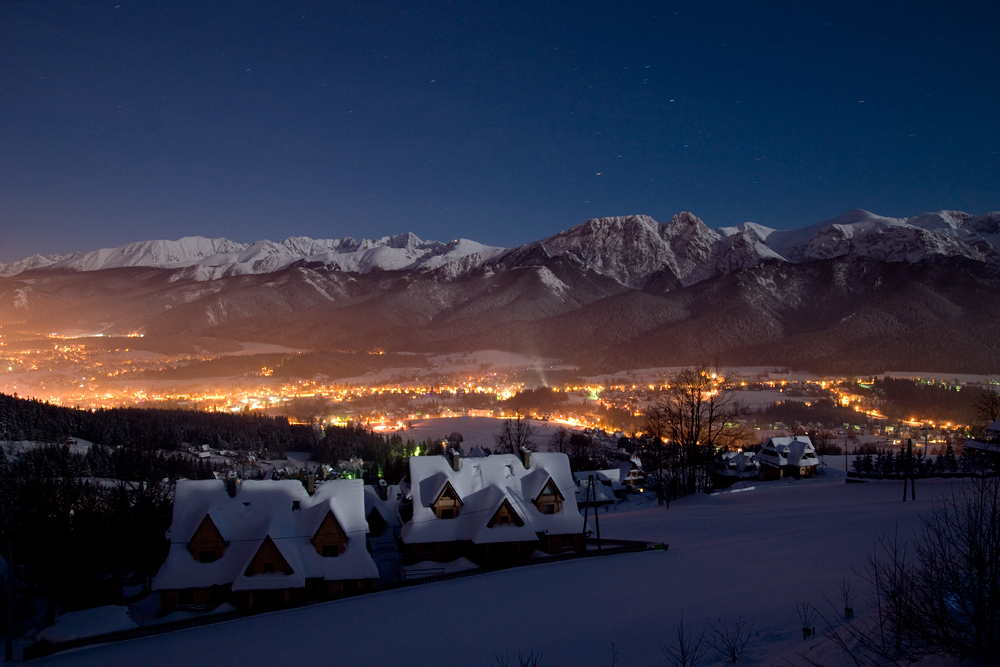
207 544
268 559
550 500
448 503
330 539
505 516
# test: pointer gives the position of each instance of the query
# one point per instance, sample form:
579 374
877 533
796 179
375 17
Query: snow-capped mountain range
849 295
629 249
210 259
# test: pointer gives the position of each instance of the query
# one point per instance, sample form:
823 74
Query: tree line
146 428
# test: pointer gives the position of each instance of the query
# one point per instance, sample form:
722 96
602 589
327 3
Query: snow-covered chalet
264 544
792 456
492 509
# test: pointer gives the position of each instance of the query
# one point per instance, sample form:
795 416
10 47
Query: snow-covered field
753 553
476 430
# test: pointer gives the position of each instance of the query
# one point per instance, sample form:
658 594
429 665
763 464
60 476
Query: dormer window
448 504
330 539
550 500
505 516
207 544
268 560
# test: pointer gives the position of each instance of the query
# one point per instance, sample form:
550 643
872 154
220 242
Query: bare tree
694 416
515 434
847 595
560 441
730 639
688 650
807 617
987 404
936 595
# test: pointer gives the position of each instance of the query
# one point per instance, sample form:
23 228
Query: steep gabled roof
549 487
484 484
796 450
263 509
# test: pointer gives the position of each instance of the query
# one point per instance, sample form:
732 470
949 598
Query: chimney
311 483
526 457
455 459
231 483
383 489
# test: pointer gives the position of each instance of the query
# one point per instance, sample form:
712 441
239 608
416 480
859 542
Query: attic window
550 500
268 560
448 504
505 516
207 544
330 539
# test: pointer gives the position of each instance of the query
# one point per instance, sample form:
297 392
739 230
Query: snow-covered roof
387 507
613 475
93 621
796 450
483 484
995 426
262 509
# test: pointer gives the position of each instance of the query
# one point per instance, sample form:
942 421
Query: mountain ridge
634 250
845 295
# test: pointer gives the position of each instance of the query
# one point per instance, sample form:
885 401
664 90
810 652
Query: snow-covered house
610 484
731 467
264 544
490 509
631 473
990 443
793 456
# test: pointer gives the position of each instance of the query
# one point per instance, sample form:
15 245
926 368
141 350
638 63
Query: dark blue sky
124 121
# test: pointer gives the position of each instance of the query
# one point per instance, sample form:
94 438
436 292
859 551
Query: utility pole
8 655
597 513
908 475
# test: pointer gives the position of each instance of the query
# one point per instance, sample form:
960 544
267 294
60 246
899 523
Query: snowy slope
754 554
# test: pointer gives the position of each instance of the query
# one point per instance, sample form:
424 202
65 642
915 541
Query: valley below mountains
858 294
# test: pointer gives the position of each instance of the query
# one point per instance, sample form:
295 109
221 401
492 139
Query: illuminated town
96 372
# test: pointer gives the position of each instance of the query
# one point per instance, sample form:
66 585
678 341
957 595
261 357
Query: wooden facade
268 560
550 500
505 516
207 544
330 539
448 504
193 598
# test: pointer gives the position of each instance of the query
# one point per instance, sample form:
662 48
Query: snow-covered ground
476 430
752 552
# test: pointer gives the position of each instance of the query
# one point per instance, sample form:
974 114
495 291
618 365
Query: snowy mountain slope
641 253
635 251
200 258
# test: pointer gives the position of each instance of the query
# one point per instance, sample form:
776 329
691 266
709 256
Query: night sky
503 122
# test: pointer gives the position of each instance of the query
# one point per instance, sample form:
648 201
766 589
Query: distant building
990 443
731 467
492 509
793 456
264 544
